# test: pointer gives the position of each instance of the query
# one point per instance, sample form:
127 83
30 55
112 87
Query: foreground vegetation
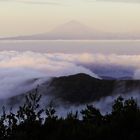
30 122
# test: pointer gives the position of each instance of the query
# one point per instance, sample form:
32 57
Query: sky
21 17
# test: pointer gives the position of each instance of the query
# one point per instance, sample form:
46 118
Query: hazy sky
19 17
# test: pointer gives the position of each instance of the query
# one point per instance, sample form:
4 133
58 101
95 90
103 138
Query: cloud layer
22 71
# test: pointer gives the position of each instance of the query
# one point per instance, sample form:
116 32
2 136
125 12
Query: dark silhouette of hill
81 89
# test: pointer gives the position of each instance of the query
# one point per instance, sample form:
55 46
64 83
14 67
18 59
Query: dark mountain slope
80 89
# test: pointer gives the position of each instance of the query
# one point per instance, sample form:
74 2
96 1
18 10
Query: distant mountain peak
72 28
73 22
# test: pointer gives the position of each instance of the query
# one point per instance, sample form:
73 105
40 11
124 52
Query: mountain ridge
73 30
80 89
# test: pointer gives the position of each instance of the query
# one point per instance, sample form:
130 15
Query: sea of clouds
23 71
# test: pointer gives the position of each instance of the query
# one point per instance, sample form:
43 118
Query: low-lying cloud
22 71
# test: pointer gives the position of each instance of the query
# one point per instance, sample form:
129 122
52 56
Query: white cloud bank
18 71
21 71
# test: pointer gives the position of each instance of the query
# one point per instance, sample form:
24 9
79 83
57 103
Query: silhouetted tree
92 115
33 123
31 111
2 125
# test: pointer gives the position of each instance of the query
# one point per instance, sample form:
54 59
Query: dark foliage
31 122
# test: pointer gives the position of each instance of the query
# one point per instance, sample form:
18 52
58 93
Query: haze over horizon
75 30
25 17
